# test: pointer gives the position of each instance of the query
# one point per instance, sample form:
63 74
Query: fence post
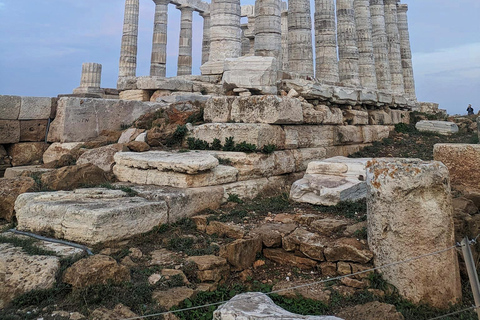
472 273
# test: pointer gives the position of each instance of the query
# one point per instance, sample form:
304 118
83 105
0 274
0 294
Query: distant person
470 110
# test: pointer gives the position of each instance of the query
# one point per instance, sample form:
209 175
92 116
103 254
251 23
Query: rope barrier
454 313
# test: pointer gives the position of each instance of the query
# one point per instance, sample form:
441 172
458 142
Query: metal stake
472 273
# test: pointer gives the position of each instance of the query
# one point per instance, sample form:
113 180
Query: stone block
368 97
344 95
9 131
440 127
309 136
56 150
35 108
460 159
305 155
348 135
309 243
218 109
376 133
419 194
81 119
130 135
379 117
249 165
10 189
219 175
10 107
399 100
257 134
340 166
24 171
127 83
102 157
384 98
308 89
344 151
267 109
321 114
26 153
400 116
251 72
135 95
33 130
356 117
89 216
162 83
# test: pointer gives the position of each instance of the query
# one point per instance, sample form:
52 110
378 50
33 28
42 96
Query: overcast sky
43 44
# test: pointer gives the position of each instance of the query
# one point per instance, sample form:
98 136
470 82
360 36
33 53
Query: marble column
366 62
245 40
347 44
268 29
380 49
284 38
128 53
206 36
326 42
185 43
159 43
393 40
91 78
225 35
300 50
406 52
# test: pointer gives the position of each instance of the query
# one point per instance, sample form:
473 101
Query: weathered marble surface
441 127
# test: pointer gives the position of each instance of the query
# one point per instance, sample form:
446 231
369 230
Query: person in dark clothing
470 110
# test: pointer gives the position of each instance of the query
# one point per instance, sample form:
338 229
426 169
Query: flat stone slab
339 166
256 306
19 171
88 216
189 163
441 127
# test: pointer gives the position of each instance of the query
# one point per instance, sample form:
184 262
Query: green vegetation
352 210
27 244
234 198
39 185
195 118
225 161
129 191
230 145
177 137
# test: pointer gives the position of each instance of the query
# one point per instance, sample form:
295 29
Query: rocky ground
262 245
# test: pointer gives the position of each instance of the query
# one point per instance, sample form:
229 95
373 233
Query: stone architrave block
379 117
219 175
258 134
344 95
418 193
251 72
56 150
460 159
384 98
368 97
308 89
376 133
267 109
135 95
35 108
10 107
127 83
321 114
348 135
9 131
218 109
399 100
157 83
356 117
309 136
80 119
89 216
33 130
440 127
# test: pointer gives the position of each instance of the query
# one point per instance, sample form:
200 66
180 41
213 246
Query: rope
305 285
454 313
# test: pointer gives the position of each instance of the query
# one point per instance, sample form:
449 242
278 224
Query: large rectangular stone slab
440 127
257 134
219 175
339 166
10 107
9 131
308 136
35 108
81 119
376 133
321 114
156 83
88 216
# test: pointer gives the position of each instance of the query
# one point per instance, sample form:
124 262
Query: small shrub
229 144
245 147
197 144
234 198
225 161
177 137
196 117
353 210
216 144
269 148
404 128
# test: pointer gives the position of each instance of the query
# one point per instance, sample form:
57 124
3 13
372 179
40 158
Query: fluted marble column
206 36
245 40
91 78
326 41
380 49
185 43
300 50
347 44
128 53
159 43
366 62
268 29
284 39
225 35
406 52
393 39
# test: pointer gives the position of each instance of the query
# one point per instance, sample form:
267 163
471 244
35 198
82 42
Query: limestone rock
255 305
190 163
379 117
102 157
328 226
371 311
26 153
440 127
56 150
20 273
340 166
130 135
9 131
172 297
71 177
348 135
272 233
286 258
419 194
321 114
309 136
308 243
89 215
348 249
172 84
210 268
267 109
97 269
241 253
315 292
223 229
33 130
460 159
10 107
10 189
135 95
375 133
119 312
33 108
138 146
218 109
356 117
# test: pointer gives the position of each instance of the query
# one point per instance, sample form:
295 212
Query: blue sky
44 42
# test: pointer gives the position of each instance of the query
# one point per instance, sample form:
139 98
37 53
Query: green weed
28 245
